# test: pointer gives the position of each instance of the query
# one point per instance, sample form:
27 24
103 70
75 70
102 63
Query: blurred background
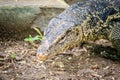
18 16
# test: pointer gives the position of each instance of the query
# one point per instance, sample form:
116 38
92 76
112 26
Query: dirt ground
18 62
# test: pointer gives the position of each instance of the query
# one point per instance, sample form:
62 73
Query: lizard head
59 36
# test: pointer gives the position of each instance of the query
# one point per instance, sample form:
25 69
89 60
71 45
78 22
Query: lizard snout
42 51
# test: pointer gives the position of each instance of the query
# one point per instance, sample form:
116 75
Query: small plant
13 56
35 38
31 39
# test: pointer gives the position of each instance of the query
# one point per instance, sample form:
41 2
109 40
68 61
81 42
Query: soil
18 62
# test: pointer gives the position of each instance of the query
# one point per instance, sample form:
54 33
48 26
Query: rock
17 16
39 3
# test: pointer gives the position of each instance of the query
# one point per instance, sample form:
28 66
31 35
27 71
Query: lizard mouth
42 53
41 57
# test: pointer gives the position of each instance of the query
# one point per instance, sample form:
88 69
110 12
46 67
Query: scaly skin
83 21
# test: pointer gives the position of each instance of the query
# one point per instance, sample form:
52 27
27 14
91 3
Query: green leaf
29 39
13 55
36 38
38 31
